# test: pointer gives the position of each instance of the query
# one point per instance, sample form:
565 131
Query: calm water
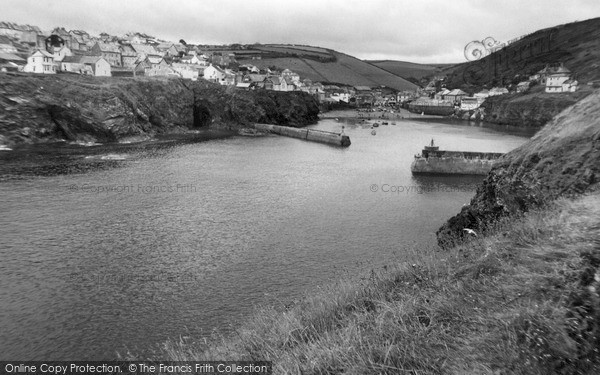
105 249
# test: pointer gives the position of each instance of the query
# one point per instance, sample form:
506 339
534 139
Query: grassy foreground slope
521 300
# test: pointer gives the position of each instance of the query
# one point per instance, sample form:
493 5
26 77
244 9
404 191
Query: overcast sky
425 31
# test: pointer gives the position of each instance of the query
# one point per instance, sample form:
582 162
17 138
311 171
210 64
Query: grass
522 299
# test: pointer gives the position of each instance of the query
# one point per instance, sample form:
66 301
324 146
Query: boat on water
375 125
434 161
384 123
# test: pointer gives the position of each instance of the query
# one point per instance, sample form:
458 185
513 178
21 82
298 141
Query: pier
432 160
313 135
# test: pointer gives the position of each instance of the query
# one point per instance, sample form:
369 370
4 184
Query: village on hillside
27 49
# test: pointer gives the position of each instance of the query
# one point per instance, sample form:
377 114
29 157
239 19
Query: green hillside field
332 67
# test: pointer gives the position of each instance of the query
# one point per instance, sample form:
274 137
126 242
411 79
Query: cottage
60 53
277 84
214 74
455 96
100 67
144 50
188 71
109 51
440 95
161 71
156 61
498 91
294 77
129 56
555 77
570 85
191 59
243 85
41 62
73 64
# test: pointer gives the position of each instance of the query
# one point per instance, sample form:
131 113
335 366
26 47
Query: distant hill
576 45
323 65
408 70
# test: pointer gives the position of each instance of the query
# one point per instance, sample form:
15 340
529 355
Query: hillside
318 64
408 70
576 44
562 159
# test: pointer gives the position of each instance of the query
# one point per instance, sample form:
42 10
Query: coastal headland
36 109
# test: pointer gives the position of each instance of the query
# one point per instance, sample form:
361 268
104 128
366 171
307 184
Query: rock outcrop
532 110
562 159
79 108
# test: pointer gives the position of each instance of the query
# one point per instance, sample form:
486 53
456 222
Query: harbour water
106 249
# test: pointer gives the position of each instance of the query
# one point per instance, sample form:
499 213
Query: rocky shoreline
41 109
562 159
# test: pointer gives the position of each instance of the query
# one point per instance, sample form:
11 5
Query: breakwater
313 135
432 160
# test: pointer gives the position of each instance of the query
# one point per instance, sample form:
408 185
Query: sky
422 31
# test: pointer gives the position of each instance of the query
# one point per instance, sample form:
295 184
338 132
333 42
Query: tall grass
522 299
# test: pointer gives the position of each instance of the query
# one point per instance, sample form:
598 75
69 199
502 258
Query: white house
73 64
192 59
214 74
555 79
570 85
41 62
498 91
186 71
100 67
295 77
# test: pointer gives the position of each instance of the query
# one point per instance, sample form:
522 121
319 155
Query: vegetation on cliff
90 109
576 45
531 109
562 159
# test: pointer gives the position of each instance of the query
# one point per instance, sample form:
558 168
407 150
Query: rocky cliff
79 108
562 159
530 110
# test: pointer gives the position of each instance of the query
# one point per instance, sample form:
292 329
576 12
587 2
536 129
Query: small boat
375 125
373 132
384 123
393 123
